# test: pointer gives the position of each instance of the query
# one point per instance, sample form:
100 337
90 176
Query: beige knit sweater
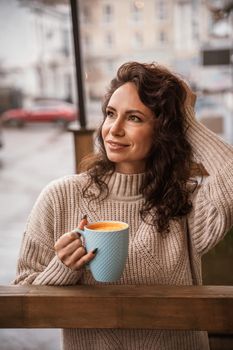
174 259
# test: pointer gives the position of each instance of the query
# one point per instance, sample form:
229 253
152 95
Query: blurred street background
38 94
37 67
43 153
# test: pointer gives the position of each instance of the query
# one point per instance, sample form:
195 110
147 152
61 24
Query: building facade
36 45
170 32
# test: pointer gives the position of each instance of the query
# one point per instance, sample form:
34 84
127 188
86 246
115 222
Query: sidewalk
30 158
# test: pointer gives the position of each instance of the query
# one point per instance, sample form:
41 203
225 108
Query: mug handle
78 230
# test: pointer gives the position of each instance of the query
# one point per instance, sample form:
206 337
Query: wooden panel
155 307
215 264
83 144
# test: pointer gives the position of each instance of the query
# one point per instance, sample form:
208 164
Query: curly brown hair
168 165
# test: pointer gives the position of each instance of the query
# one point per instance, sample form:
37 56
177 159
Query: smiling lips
115 146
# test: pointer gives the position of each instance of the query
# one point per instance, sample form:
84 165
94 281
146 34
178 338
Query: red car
59 112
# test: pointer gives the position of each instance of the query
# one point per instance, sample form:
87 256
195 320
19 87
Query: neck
124 186
130 169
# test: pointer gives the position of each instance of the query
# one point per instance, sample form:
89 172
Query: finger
70 248
85 259
65 240
71 260
83 222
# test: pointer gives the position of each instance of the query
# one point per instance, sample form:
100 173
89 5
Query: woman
141 175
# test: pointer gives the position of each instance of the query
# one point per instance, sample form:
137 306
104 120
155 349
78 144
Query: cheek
145 140
145 147
104 130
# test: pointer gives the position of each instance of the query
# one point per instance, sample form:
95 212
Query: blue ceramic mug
112 240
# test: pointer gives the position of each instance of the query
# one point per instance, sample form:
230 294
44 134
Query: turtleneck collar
124 185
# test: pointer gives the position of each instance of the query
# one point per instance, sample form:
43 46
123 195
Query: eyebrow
128 111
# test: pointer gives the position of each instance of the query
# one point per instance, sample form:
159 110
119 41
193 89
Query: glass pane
37 89
177 34
37 73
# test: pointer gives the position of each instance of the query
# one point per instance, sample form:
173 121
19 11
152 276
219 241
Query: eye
134 118
109 113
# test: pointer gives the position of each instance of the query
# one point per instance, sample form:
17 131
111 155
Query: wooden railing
207 308
159 307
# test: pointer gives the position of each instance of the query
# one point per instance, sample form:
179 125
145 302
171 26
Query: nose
117 128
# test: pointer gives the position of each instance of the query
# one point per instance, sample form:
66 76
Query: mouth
116 145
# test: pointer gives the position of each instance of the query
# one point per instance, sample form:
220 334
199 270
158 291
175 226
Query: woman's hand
70 250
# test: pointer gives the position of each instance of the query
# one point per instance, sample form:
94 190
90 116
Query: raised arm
212 214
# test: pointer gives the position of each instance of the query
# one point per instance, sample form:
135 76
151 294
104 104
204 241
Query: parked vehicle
56 111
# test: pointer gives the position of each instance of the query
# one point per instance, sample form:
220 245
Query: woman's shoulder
66 183
70 179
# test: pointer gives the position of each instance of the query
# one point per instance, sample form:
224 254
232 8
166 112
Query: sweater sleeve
212 214
38 264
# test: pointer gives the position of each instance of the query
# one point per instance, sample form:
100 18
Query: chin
114 160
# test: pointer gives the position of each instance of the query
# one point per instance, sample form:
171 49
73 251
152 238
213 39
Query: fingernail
94 251
85 217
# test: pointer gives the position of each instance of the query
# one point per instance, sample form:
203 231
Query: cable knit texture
174 259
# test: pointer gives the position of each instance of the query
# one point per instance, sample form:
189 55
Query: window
110 66
86 14
137 7
107 13
194 21
137 41
87 41
65 42
162 9
109 40
68 87
162 37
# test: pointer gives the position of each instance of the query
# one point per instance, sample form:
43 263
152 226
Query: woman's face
128 130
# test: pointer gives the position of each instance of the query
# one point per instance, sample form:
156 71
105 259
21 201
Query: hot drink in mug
112 240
